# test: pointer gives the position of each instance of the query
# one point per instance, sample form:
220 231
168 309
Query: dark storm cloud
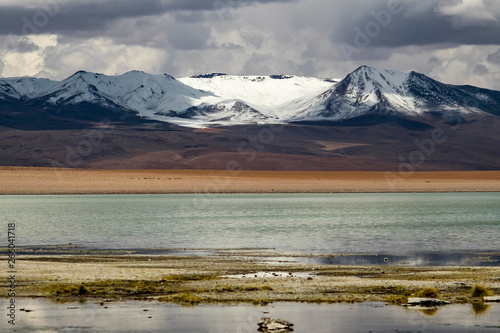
63 16
403 23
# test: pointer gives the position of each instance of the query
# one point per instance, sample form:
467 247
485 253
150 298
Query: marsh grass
82 290
262 301
61 289
188 277
184 299
108 287
428 293
396 300
480 291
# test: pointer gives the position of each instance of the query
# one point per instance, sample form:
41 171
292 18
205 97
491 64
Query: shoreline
54 181
239 278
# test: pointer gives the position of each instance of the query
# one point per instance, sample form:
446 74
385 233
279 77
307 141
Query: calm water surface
312 223
346 318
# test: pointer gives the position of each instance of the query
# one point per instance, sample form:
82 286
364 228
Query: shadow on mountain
20 116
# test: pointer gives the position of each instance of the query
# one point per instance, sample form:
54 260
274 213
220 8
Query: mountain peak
363 68
208 75
85 73
219 98
281 77
134 71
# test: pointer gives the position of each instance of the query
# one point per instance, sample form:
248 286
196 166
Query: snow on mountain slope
78 88
134 90
371 91
360 92
23 87
150 94
220 99
263 93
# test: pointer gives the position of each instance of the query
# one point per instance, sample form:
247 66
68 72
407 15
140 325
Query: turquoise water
311 223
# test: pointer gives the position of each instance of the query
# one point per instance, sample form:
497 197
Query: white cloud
58 60
468 12
494 57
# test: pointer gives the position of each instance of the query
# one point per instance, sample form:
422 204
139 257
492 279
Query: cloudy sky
454 41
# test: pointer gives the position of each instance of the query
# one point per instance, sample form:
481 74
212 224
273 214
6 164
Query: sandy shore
20 180
237 278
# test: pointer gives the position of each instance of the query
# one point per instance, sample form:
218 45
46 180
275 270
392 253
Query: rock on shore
426 301
267 324
491 298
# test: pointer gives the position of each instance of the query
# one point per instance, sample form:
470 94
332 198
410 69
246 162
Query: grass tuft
428 293
82 290
187 299
396 300
480 291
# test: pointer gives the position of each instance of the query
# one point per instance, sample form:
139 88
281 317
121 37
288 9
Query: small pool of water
134 316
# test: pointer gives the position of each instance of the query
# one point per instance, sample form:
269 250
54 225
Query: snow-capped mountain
263 93
19 88
134 90
221 99
371 91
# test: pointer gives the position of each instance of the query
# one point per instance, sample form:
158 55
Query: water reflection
480 309
429 311
135 316
477 308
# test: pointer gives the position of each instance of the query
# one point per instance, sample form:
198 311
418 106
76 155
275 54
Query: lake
416 227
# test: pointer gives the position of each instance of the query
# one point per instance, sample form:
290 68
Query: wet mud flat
257 276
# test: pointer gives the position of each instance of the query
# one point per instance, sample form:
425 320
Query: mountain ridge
219 99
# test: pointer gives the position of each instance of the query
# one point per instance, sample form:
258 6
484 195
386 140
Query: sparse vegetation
428 293
397 300
189 277
60 289
461 300
187 299
201 280
261 302
82 290
480 291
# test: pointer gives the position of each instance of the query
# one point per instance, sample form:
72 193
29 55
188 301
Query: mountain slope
23 87
368 91
263 93
133 90
219 99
